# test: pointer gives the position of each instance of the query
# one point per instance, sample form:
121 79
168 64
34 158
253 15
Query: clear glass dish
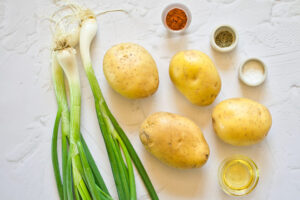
238 175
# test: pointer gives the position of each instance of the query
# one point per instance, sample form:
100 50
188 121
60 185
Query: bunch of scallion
80 174
81 178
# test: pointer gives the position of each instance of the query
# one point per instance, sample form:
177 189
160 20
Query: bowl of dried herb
224 38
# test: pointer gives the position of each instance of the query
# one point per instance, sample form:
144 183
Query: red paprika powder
176 19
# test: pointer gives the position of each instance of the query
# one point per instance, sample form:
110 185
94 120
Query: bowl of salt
253 72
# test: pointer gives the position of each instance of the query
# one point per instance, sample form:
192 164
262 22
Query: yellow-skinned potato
195 76
241 121
130 70
175 140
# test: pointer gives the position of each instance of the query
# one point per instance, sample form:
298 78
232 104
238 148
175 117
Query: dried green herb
224 39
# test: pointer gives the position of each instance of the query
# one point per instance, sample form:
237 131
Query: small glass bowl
229 183
219 29
179 6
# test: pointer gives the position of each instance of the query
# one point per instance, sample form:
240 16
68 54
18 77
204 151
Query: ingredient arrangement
175 140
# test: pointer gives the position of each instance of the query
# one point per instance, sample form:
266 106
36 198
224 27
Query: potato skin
241 121
175 140
195 76
130 70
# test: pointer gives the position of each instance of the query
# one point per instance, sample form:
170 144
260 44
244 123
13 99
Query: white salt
253 72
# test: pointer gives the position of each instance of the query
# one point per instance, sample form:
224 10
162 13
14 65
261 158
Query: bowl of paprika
176 17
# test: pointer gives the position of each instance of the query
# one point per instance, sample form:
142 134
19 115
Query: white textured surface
269 30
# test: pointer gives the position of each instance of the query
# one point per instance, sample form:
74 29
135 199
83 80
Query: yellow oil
237 174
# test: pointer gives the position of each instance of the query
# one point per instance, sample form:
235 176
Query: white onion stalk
87 33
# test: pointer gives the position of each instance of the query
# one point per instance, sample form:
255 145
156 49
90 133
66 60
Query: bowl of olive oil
238 175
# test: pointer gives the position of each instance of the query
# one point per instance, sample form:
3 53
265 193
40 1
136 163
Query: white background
269 30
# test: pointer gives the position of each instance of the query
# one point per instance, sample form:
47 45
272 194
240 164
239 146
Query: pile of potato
177 141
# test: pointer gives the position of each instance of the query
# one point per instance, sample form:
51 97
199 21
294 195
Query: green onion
114 137
81 177
98 178
55 157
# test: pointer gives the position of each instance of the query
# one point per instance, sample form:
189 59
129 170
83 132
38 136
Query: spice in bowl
253 72
224 38
176 17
